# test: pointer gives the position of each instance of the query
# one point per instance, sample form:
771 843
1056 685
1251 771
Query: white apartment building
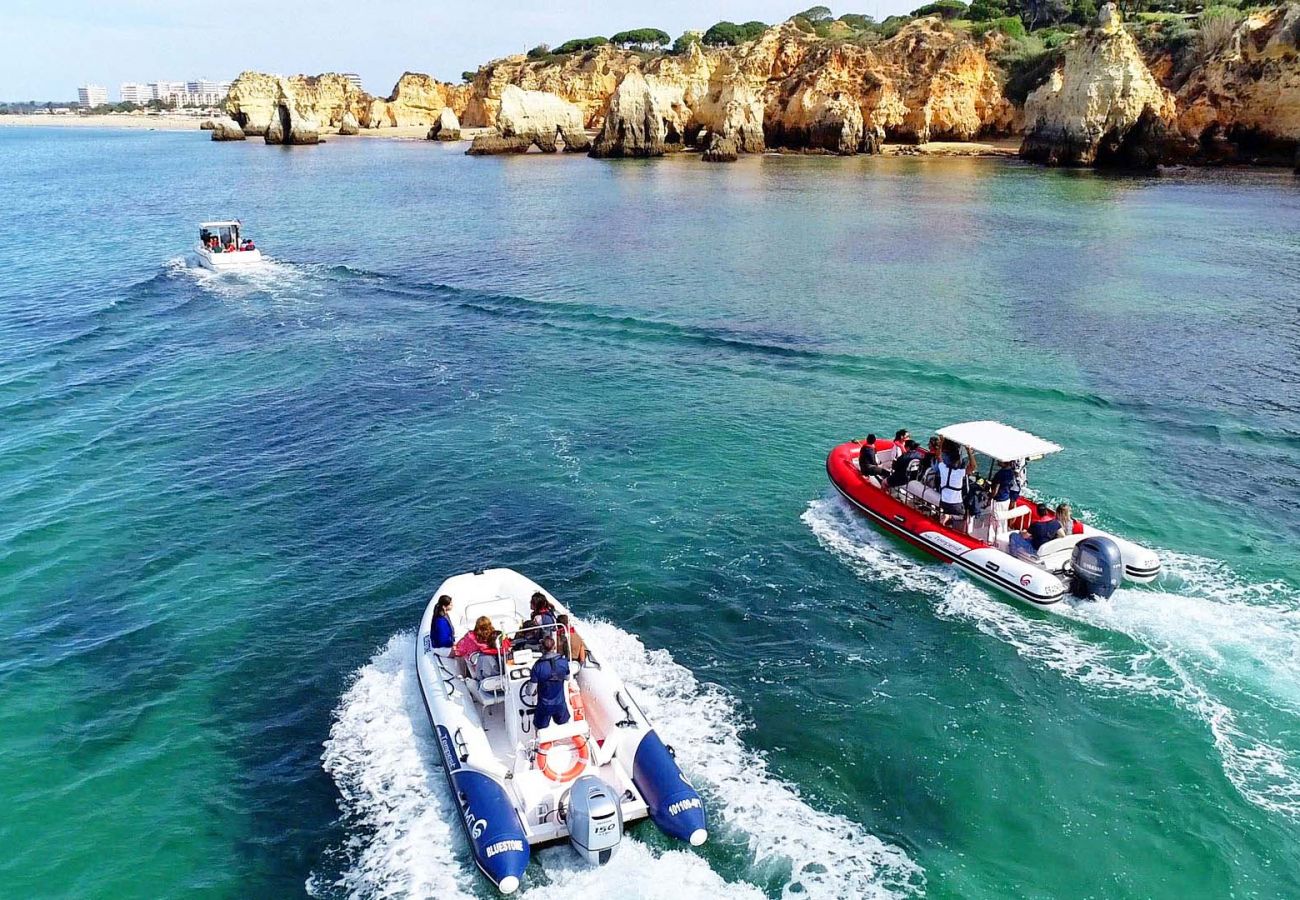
354 78
135 92
92 95
167 91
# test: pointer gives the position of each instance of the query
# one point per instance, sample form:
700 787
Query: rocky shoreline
1106 99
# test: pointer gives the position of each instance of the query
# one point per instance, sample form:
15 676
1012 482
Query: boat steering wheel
528 695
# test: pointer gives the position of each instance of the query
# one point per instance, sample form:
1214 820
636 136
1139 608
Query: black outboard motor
1098 567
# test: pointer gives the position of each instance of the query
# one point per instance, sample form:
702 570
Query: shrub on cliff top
1011 26
858 22
577 44
1215 28
540 51
683 43
642 38
729 34
1029 68
815 14
945 9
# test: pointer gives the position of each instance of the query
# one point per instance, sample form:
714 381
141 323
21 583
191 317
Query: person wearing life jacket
901 437
907 467
1069 525
569 643
952 471
441 634
550 674
1045 527
868 462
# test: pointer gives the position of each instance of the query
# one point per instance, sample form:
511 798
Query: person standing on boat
441 634
1005 487
952 471
550 674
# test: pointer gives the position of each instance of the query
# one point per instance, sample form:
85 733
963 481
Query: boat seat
1056 553
571 728
921 492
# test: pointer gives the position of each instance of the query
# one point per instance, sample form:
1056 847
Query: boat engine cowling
1098 567
594 818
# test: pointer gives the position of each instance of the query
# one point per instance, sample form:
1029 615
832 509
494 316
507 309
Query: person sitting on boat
539 624
1021 546
441 634
480 648
1068 523
907 467
247 244
570 643
952 471
868 462
231 247
550 674
1045 528
901 437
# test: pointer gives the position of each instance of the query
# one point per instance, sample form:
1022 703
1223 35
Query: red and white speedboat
1089 562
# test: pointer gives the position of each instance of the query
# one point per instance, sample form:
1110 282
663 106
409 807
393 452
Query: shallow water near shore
227 500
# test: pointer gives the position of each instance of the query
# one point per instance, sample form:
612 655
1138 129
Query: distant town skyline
48 50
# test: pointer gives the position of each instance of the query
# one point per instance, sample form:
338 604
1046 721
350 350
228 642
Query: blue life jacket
549 674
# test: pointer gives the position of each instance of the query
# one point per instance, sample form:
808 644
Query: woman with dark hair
571 644
441 634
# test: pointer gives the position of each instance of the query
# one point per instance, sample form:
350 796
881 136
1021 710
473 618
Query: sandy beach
124 120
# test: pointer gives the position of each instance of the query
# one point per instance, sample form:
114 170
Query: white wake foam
826 855
403 839
1226 649
871 556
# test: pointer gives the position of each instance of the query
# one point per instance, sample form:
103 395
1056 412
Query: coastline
999 148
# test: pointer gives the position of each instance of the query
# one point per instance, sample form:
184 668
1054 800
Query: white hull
226 262
487 741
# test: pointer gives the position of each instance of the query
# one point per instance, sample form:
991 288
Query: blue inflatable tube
496 836
674 805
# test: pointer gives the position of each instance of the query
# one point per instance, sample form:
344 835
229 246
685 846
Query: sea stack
1101 106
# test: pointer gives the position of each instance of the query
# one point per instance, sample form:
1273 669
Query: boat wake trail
403 838
1203 639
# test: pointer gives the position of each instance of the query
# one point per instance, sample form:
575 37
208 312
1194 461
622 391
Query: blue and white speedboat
515 787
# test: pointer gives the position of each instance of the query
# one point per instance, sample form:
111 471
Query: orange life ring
581 757
575 702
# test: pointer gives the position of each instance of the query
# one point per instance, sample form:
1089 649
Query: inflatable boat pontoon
516 788
1089 562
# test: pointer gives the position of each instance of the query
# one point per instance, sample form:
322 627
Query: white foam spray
402 828
1209 640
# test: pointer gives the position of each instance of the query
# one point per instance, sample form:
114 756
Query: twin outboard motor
1098 567
594 818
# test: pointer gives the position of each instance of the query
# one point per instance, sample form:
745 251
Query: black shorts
953 509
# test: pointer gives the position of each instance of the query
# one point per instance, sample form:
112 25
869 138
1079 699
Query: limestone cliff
646 116
417 100
1244 102
788 89
1101 106
539 117
255 99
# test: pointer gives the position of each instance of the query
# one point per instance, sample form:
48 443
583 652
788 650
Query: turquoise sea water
226 501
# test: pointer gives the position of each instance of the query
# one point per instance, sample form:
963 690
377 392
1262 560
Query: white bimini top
1001 442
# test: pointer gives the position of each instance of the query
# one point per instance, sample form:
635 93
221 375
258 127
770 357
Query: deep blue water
226 501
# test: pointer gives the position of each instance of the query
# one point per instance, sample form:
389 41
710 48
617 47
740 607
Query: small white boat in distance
517 787
221 248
